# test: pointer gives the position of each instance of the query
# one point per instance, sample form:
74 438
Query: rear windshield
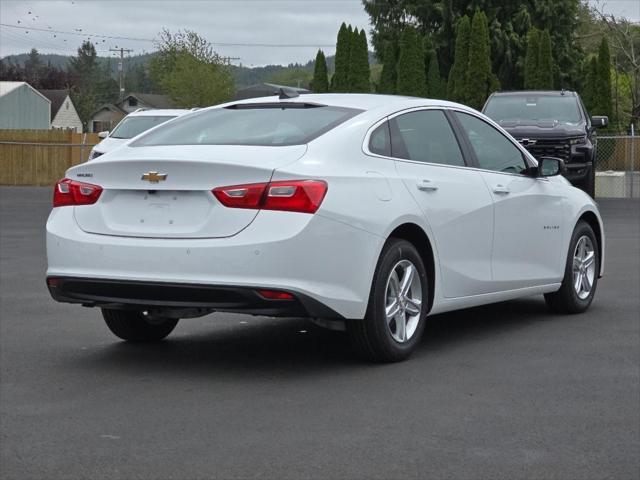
133 126
533 108
253 124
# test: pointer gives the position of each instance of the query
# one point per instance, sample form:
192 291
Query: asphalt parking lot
505 391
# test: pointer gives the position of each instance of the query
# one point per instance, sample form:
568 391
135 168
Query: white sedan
360 212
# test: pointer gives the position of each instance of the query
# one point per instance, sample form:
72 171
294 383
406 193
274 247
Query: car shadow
292 347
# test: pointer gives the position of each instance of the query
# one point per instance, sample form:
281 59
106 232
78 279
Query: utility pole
121 68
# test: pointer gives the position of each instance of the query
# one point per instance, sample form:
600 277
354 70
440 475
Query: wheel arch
593 221
414 234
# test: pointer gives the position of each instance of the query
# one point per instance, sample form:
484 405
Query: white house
63 112
23 107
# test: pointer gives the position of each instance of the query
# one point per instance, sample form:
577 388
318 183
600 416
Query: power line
220 44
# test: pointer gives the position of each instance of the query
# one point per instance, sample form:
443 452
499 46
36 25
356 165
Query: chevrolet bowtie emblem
154 177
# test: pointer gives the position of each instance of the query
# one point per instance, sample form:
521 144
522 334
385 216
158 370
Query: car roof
174 112
361 101
551 93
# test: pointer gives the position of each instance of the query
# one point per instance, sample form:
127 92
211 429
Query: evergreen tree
456 87
590 90
33 69
480 79
545 63
531 60
389 76
359 72
320 82
340 79
603 81
436 87
411 74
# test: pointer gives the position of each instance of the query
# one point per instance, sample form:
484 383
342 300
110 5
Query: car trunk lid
164 192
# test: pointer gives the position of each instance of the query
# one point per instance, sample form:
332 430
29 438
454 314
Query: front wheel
580 275
135 326
395 319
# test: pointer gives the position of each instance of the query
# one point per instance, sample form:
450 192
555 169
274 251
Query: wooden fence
41 157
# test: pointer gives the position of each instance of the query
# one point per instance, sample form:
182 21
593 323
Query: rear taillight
69 192
291 196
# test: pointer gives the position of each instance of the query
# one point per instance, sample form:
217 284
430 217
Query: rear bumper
158 295
312 256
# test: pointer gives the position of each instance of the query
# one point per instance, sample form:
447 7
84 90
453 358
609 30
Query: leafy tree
436 87
545 63
340 79
480 79
194 83
389 75
508 24
359 72
531 60
457 85
320 83
189 71
603 81
411 71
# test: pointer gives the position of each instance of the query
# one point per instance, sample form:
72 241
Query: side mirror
550 167
599 121
104 134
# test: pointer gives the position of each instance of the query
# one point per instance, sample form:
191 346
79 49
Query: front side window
425 136
250 124
133 126
493 150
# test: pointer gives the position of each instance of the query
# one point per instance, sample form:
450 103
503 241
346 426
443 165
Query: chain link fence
618 167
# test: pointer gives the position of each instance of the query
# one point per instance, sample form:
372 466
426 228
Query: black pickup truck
551 124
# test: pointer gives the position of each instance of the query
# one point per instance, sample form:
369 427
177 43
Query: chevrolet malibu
363 213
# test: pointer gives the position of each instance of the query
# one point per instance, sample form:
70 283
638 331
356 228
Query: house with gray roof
63 111
108 115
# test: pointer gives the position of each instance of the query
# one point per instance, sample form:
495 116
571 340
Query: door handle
427 186
501 190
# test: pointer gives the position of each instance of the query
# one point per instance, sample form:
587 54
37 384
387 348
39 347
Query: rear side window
425 136
380 140
250 124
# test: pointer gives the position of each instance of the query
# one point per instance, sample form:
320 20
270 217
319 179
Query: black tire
589 183
134 326
371 337
566 300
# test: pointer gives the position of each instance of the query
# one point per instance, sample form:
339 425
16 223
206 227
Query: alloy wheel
584 267
403 304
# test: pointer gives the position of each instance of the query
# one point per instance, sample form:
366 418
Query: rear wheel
580 275
396 313
136 326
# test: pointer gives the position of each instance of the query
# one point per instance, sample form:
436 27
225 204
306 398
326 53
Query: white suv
131 126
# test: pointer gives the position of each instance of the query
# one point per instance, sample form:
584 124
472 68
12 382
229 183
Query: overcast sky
288 31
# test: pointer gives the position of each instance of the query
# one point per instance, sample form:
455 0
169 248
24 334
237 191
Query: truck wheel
590 181
135 326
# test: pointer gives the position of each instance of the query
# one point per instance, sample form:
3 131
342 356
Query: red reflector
69 192
275 295
52 281
303 196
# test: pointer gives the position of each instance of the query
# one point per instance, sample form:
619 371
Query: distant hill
291 74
